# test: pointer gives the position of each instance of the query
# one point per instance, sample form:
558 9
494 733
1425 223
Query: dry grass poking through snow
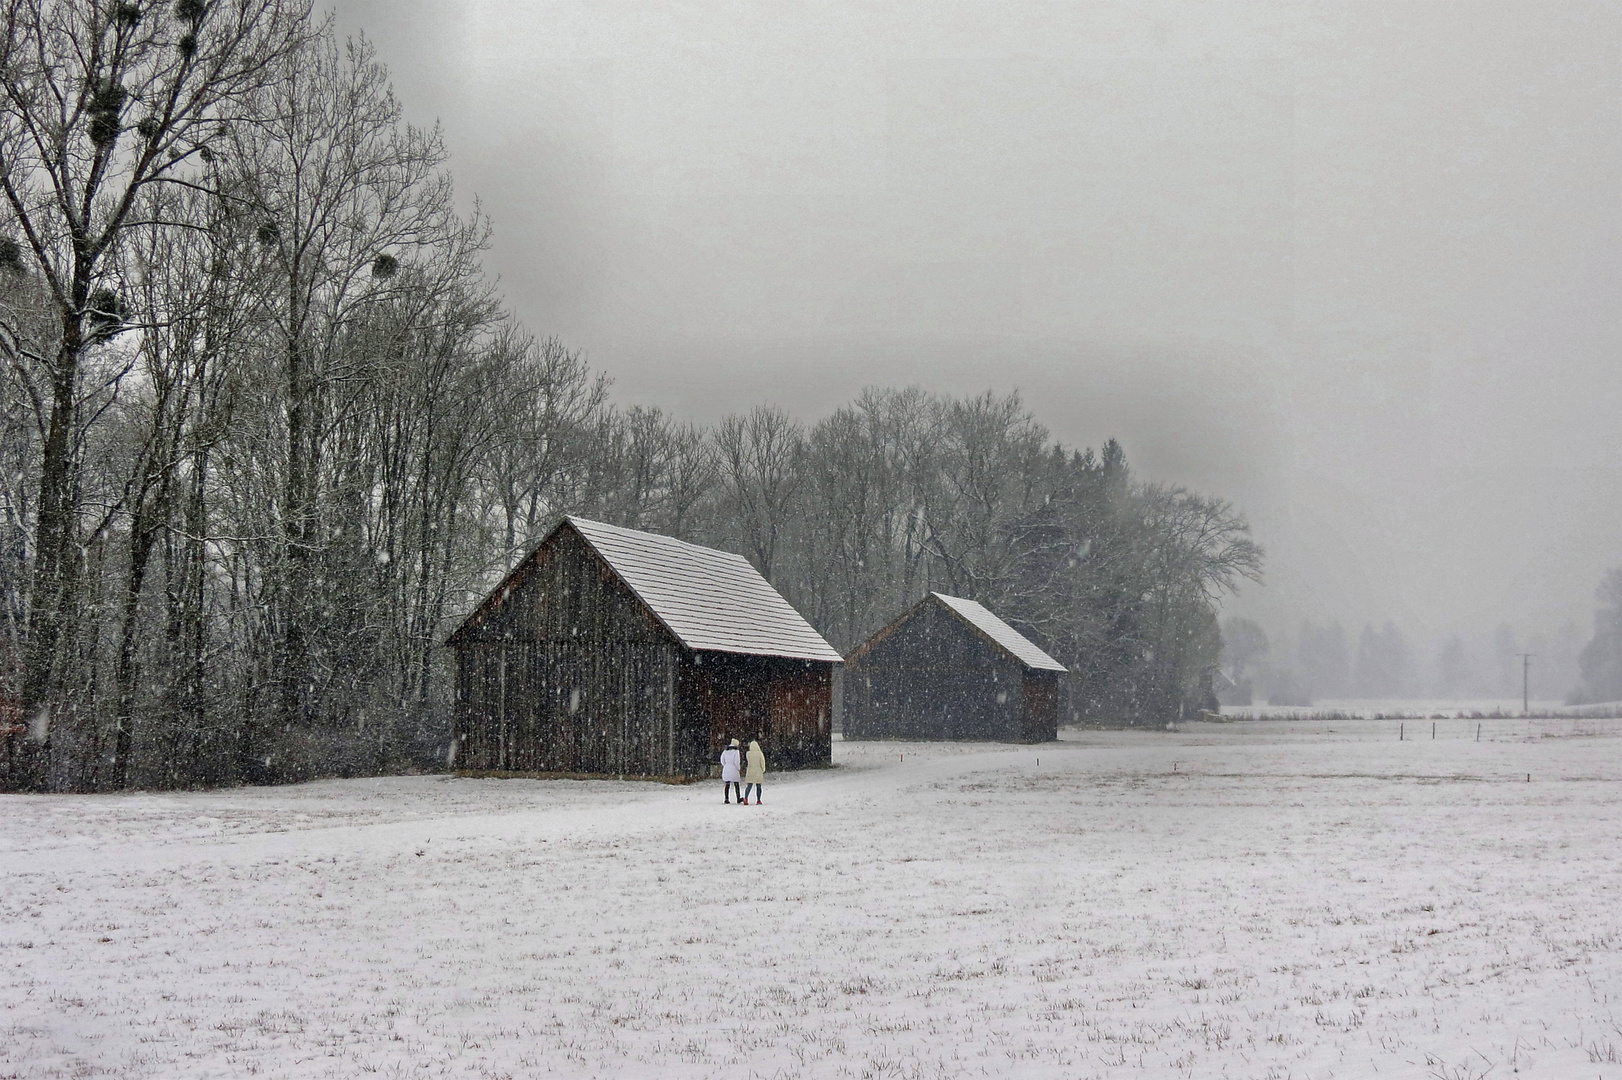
1249 900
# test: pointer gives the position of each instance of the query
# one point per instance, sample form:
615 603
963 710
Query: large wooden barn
950 669
613 652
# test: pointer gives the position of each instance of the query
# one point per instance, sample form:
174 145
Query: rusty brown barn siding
1041 706
783 702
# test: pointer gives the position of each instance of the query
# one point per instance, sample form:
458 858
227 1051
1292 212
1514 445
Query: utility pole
1526 681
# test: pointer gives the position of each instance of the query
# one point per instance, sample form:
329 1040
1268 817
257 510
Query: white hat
734 744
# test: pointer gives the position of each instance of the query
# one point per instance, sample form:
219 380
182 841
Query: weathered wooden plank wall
571 674
802 714
1041 706
786 704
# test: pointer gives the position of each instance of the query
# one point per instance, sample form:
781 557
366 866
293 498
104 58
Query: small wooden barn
950 669
612 652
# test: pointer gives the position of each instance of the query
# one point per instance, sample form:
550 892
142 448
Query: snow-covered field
1372 707
1249 900
1424 708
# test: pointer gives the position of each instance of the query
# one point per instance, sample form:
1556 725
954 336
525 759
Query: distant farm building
950 669
609 651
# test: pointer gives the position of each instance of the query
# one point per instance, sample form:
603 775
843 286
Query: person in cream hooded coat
754 776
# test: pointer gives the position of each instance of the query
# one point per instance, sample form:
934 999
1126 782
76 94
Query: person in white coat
731 773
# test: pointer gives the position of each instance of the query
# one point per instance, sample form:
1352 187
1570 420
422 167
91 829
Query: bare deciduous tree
346 194
760 456
99 102
549 417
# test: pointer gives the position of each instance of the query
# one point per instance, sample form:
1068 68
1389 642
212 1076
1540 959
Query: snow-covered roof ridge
1018 645
711 600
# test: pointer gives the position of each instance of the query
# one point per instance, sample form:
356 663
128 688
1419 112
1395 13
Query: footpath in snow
1265 899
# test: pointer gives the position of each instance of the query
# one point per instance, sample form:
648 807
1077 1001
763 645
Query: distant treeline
266 432
1318 662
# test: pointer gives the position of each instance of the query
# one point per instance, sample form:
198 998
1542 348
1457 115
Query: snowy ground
1371 707
1248 900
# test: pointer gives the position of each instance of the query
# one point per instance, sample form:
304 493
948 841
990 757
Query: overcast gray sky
1353 265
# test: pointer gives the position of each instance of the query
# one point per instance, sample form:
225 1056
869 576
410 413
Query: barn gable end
949 669
567 672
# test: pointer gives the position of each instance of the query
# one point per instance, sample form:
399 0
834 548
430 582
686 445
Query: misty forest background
266 432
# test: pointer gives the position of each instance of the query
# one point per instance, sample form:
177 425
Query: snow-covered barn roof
710 600
1011 640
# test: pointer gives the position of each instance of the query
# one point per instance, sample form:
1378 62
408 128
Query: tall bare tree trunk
142 539
292 666
193 693
55 563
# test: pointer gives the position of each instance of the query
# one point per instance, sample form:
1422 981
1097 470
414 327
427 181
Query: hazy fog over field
1352 266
